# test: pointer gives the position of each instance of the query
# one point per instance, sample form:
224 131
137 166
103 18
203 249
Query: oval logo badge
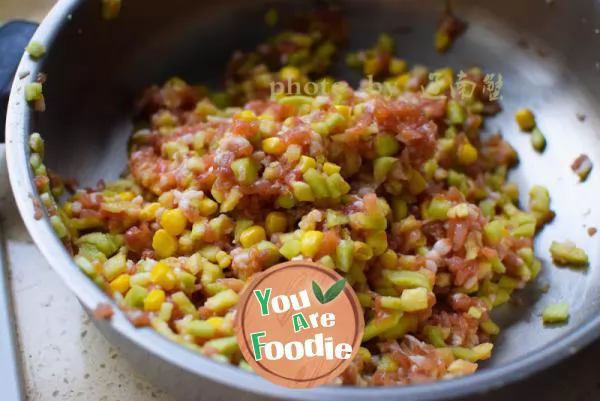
299 324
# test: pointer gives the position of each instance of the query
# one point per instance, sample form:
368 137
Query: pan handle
14 37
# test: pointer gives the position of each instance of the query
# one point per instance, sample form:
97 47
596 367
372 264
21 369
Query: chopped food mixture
398 192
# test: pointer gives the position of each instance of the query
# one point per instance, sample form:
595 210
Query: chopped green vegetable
556 313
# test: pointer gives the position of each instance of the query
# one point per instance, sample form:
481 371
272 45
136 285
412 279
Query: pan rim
17 154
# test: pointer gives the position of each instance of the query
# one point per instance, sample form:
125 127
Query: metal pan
95 68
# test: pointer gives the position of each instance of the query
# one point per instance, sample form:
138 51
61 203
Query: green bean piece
566 253
199 328
245 171
135 296
407 279
378 326
556 313
184 303
382 166
344 255
225 346
455 112
317 182
386 145
33 91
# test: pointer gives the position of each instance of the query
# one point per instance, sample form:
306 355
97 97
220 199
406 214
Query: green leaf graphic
334 291
318 292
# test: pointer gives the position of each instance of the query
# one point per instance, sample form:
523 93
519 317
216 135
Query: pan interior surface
96 68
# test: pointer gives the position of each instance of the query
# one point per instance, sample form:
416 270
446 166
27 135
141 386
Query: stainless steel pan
96 67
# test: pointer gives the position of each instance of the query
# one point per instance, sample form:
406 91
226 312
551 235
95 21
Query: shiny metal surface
95 68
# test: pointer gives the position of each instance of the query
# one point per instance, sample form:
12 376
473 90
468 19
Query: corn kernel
148 212
208 207
290 73
246 115
154 300
164 244
215 321
68 209
127 196
372 66
525 119
167 199
173 221
223 259
162 275
402 80
331 168
310 243
273 146
121 284
165 119
344 110
397 66
276 222
252 236
467 154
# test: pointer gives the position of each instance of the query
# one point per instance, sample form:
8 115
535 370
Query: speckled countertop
64 356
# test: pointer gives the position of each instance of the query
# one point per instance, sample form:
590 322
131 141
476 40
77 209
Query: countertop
64 356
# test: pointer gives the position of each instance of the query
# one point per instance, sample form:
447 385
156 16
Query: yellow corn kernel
306 163
167 199
276 222
164 244
402 80
223 259
252 235
127 196
290 73
162 275
273 146
173 221
154 300
68 209
525 119
121 283
215 321
343 110
246 115
331 168
310 242
165 119
148 212
364 354
372 66
208 207
467 154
